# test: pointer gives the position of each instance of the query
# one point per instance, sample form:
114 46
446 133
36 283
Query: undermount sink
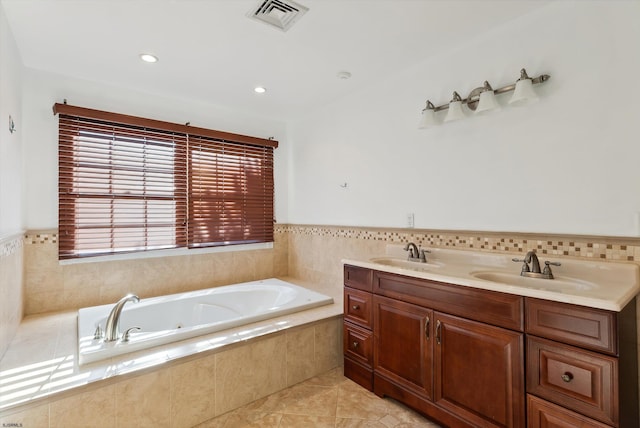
558 284
406 264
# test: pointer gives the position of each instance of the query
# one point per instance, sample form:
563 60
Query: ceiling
210 51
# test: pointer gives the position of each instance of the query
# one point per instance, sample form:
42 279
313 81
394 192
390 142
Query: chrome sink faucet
534 270
415 253
113 320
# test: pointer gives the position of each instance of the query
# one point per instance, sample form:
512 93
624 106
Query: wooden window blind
231 193
134 184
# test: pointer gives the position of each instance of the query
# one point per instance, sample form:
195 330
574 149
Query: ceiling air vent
281 14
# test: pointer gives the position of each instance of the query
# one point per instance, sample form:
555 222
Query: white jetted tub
175 317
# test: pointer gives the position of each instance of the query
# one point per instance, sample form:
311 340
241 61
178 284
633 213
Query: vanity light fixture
146 57
483 99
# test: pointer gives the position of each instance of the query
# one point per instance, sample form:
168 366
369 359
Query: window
131 184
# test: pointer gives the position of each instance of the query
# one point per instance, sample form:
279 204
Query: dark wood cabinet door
479 372
403 351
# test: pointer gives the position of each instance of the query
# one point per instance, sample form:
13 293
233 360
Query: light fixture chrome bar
475 94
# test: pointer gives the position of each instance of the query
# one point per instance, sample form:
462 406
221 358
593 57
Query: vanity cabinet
469 357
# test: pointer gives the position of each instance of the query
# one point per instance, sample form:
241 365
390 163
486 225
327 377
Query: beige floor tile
405 416
299 421
243 419
360 404
358 423
279 401
331 378
321 402
327 400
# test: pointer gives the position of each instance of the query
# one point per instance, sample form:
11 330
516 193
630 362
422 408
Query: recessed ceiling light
344 75
259 90
148 58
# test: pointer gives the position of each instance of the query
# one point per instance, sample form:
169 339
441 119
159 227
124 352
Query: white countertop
596 284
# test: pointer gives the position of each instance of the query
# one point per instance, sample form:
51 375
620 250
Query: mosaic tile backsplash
600 247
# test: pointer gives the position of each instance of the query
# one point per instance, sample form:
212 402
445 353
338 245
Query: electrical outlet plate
410 220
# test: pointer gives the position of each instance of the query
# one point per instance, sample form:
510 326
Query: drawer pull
567 377
426 327
355 307
355 344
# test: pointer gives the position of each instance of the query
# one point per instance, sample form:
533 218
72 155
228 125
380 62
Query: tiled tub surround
176 385
50 286
10 288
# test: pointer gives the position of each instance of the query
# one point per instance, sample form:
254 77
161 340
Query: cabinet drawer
573 378
357 277
358 307
576 325
543 414
358 344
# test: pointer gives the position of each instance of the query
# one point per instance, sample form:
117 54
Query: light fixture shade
428 119
524 93
487 102
455 111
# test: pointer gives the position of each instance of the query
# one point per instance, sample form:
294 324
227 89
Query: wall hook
12 125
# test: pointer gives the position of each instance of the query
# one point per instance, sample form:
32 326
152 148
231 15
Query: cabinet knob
355 344
355 307
567 377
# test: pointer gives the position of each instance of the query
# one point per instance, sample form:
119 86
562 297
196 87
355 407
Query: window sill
168 253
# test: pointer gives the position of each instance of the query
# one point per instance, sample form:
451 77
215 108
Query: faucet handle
125 336
547 269
99 334
423 255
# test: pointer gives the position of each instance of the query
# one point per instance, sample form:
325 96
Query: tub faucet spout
113 320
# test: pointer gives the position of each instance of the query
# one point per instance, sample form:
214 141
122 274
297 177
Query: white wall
10 144
567 164
42 90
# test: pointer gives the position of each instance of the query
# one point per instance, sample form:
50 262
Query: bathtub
175 317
